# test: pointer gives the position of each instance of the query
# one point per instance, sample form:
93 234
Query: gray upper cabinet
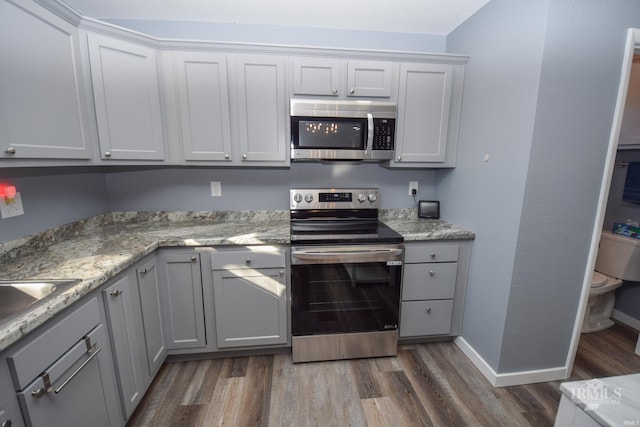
42 95
182 300
259 110
203 102
250 296
429 102
342 78
127 99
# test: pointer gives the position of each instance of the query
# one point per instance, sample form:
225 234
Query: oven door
330 137
345 289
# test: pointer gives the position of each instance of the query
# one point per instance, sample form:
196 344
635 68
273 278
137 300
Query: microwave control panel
383 134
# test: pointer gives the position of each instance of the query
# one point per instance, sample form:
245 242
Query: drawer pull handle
93 352
428 310
116 293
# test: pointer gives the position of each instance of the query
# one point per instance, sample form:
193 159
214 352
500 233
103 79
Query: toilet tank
619 256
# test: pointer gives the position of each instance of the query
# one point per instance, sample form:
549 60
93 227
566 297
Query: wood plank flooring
424 385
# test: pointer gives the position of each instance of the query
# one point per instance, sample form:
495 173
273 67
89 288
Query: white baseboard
512 378
626 319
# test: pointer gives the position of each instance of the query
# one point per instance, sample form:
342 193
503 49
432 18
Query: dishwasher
63 377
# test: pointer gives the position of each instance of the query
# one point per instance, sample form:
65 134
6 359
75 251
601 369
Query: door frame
632 43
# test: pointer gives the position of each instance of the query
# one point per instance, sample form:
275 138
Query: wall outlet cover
9 210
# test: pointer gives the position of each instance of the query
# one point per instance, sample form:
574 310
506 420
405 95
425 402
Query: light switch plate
9 210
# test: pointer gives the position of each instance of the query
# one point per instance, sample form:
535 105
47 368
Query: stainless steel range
346 272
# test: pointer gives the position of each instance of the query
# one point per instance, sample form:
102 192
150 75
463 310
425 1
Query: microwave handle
369 133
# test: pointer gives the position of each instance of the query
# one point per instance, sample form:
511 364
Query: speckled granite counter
97 249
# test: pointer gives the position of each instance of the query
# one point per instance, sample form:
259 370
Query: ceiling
436 17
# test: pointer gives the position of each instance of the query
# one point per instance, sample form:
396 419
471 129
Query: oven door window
345 297
329 133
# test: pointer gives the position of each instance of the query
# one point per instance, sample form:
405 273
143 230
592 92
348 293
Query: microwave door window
332 134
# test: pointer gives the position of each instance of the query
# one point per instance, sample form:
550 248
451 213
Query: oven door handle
312 256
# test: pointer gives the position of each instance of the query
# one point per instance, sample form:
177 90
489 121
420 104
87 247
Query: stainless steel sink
18 296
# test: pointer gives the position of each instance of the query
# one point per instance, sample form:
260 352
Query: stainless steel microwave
342 130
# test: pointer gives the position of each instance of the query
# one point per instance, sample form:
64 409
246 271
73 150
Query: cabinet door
201 82
369 78
127 98
423 112
261 112
125 327
150 307
182 302
42 96
250 307
316 76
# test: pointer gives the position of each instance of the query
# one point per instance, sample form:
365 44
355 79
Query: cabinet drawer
431 253
32 359
429 281
250 257
419 318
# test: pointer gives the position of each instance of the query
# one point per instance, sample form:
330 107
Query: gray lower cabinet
10 414
250 296
433 288
132 304
182 300
63 373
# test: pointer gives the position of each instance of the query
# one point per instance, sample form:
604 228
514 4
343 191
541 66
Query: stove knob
308 197
372 197
297 197
361 198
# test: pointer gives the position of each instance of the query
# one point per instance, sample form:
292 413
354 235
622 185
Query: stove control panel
334 198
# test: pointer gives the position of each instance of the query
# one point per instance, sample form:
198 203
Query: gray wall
245 189
52 197
504 40
520 315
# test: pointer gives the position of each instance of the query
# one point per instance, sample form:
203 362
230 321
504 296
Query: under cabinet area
342 78
433 288
250 296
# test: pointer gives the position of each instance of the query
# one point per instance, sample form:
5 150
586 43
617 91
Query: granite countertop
97 249
612 401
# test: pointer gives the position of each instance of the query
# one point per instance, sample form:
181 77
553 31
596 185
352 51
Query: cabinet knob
432 273
194 258
398 158
334 91
39 392
428 310
6 423
107 153
281 272
116 293
244 156
433 254
10 150
226 156
143 271
352 91
247 261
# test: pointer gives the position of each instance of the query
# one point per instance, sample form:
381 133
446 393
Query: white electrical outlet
413 185
216 189
11 209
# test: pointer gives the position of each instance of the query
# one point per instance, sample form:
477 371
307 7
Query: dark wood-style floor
425 384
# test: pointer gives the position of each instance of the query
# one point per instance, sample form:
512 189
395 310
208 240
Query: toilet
618 259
